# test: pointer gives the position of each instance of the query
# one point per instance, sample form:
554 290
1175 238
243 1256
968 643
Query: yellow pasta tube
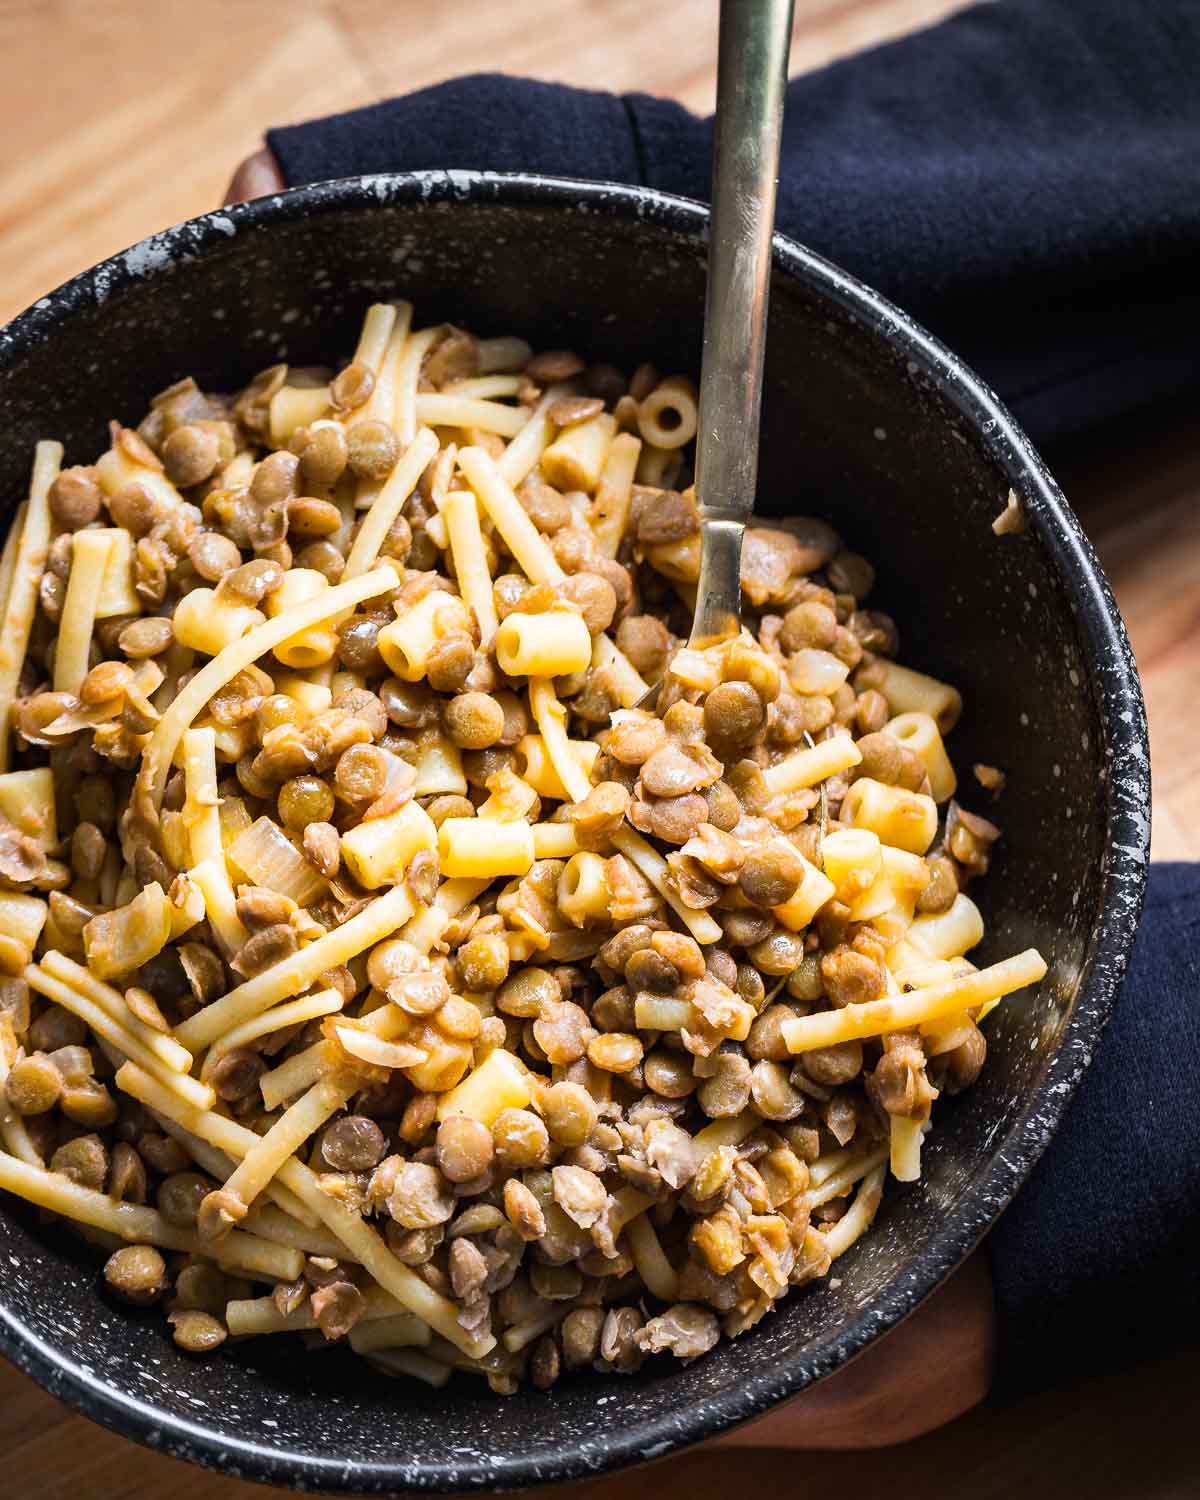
919 732
21 604
550 644
521 537
428 925
842 1170
948 934
405 644
905 1148
853 860
656 466
407 377
8 558
115 469
610 509
902 878
656 870
857 1220
486 387
907 691
500 1082
814 890
27 800
157 757
630 686
117 594
205 623
808 767
379 851
291 1013
89 558
202 807
379 322
312 698
211 878
252 1316
375 922
535 766
479 848
461 513
906 820
294 406
136 1224
583 893
554 841
285 1137
669 415
650 1259
390 501
898 1012
575 459
452 409
311 647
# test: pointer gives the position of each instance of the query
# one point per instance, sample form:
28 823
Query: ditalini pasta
362 938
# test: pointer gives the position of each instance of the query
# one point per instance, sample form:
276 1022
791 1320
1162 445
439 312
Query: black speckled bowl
869 422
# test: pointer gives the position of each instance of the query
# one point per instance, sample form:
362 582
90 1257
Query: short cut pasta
353 914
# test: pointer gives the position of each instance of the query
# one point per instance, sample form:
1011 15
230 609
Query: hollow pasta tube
855 1222
89 558
390 501
481 848
551 644
899 1012
919 733
610 509
461 513
903 819
907 691
669 415
808 767
27 567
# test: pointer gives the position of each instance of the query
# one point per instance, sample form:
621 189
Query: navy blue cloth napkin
1025 178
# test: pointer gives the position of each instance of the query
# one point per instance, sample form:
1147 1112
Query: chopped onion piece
270 859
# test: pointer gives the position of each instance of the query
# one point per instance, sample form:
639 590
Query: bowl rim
1118 700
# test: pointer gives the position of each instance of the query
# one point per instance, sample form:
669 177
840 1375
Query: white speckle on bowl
880 434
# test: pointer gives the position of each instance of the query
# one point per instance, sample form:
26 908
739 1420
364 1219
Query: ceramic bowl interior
867 422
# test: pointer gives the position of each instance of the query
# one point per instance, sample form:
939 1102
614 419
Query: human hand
257 176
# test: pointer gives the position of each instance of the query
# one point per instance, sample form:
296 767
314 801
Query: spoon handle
751 79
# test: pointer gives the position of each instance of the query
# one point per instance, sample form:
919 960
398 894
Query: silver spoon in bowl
751 78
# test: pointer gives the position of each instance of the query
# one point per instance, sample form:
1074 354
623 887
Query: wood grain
119 118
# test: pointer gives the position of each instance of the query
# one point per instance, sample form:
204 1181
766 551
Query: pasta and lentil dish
373 968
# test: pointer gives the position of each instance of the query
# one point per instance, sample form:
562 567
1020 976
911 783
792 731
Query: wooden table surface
118 118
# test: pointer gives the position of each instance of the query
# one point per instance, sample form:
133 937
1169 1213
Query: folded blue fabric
1022 178
1097 1261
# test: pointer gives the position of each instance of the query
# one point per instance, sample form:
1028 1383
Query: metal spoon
751 79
